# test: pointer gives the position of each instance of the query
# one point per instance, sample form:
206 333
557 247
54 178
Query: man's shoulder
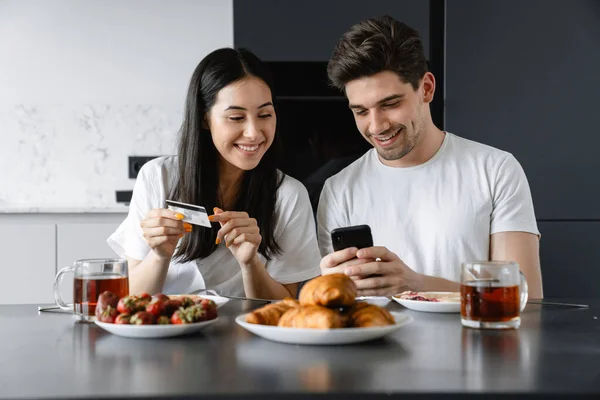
467 147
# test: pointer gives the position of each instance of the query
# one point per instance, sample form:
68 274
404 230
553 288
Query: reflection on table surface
555 349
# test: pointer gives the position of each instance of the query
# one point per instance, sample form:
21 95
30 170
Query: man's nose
378 123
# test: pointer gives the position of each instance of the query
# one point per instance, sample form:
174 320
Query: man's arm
524 248
376 271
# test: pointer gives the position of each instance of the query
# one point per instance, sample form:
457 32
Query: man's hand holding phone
376 271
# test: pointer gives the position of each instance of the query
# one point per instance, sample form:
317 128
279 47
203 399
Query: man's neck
429 144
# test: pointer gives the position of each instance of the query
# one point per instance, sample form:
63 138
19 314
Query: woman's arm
241 235
148 275
258 284
162 229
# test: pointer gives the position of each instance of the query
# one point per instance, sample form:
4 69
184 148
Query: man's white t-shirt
220 271
436 215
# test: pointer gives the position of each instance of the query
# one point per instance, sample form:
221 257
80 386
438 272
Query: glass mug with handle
492 294
91 278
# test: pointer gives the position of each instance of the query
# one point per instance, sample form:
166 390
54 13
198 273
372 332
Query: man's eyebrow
384 100
268 103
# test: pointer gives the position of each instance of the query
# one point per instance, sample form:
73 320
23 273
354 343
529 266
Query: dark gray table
48 355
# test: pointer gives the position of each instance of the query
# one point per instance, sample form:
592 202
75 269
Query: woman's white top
294 232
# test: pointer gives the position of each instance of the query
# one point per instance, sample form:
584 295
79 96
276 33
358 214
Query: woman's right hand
162 230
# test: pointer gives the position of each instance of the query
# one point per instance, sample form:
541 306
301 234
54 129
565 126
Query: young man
432 199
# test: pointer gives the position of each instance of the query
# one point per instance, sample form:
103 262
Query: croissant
336 290
363 315
315 317
290 302
270 314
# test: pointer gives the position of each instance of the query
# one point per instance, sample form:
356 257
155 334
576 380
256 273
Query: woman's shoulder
157 176
159 166
160 170
290 187
292 197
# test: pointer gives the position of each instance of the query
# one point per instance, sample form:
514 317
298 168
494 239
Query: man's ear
428 87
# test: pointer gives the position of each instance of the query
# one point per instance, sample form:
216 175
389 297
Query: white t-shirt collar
377 161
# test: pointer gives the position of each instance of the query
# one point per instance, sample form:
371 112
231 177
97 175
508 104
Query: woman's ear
205 124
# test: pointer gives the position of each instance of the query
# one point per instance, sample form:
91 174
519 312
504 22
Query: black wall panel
523 76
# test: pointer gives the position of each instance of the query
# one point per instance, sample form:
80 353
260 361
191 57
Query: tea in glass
92 278
87 289
492 295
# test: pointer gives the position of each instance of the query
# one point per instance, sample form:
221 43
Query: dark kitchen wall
308 30
524 76
297 37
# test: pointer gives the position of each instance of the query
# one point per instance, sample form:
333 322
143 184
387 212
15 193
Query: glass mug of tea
92 277
492 294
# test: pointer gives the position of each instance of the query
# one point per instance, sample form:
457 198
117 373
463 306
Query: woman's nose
253 130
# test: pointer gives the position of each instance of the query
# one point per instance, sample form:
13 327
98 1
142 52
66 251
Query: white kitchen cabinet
28 265
76 241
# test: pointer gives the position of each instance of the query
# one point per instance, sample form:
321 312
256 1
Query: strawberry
104 300
180 317
108 315
170 306
196 313
210 307
142 318
187 302
156 307
160 296
145 296
130 305
123 319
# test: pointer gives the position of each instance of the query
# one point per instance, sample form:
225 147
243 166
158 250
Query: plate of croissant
326 312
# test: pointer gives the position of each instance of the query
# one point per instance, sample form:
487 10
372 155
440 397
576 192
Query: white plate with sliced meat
440 302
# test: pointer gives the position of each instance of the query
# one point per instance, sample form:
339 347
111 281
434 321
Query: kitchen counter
556 351
65 210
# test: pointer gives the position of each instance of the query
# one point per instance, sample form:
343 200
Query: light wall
85 84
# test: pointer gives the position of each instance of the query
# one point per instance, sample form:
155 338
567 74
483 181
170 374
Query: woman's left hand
240 234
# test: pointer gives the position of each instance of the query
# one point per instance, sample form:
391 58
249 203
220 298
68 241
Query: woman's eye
236 118
265 116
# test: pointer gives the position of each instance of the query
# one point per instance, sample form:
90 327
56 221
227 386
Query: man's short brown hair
376 45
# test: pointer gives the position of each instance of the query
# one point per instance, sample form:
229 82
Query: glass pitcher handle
524 291
57 296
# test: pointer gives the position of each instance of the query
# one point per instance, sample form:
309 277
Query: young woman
262 243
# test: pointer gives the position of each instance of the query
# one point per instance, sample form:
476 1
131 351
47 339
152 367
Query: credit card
193 214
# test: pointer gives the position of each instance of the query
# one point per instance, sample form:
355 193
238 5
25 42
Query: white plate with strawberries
154 331
219 300
156 316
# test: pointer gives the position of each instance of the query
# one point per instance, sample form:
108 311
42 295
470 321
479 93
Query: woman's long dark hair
198 171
